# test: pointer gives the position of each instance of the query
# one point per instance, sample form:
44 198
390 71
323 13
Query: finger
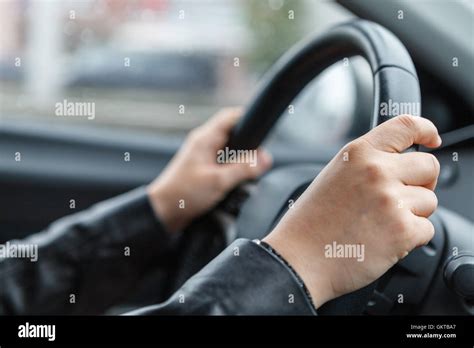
401 132
215 132
235 173
423 231
421 201
224 120
418 169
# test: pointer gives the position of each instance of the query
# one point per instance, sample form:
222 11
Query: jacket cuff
244 279
290 269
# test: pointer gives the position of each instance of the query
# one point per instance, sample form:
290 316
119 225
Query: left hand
193 182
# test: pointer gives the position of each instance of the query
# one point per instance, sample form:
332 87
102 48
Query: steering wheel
395 81
259 207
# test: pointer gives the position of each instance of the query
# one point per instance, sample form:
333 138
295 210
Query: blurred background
163 66
154 69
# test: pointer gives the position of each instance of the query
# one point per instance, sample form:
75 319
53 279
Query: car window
159 65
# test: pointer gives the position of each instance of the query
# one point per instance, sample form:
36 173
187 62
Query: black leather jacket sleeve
91 260
245 279
87 261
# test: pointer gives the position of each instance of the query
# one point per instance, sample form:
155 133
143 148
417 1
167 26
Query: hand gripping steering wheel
395 81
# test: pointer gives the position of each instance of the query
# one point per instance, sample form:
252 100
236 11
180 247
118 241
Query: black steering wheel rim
395 78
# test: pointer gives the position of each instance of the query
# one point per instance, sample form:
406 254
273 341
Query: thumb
399 133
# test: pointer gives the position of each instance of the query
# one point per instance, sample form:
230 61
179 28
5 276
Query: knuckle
402 227
427 233
351 146
402 252
430 231
349 149
410 123
433 201
407 121
196 135
354 148
407 240
404 240
386 200
435 163
193 134
374 171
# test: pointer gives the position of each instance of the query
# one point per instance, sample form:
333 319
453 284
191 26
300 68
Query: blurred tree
275 26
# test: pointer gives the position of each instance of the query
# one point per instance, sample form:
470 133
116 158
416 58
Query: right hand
370 194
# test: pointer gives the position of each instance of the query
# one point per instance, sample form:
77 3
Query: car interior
60 162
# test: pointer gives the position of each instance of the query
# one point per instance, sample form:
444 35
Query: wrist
301 255
166 207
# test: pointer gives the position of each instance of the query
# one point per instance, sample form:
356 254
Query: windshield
160 65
